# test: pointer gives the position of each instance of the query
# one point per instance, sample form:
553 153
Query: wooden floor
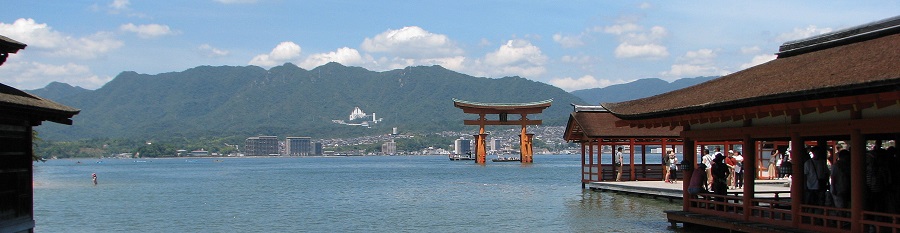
660 189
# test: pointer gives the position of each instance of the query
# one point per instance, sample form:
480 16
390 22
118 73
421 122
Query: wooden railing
719 205
880 222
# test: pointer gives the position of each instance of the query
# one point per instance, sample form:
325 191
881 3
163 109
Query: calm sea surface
332 194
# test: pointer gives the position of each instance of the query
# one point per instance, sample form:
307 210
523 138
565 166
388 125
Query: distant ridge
58 91
635 90
286 100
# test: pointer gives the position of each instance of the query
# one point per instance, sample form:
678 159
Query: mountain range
286 100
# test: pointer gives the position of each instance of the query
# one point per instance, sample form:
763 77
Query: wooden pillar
663 157
857 178
749 181
590 148
583 165
798 181
690 156
631 160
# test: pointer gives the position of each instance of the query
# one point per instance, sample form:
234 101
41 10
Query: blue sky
572 44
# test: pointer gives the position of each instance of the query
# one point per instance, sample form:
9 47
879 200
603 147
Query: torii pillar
503 110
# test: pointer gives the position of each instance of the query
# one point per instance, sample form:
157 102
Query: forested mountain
634 90
287 100
58 91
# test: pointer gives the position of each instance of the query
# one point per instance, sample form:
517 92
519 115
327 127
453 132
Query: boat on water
456 157
507 159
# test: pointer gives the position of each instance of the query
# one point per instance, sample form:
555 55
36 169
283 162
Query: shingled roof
601 124
867 65
16 102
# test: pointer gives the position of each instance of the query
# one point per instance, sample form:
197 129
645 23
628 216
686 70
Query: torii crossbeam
503 110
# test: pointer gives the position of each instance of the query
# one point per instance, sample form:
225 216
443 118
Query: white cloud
42 38
636 42
568 41
645 5
650 51
282 53
236 1
696 63
148 30
759 59
585 82
345 56
210 51
34 75
801 33
411 42
576 59
516 57
750 50
119 4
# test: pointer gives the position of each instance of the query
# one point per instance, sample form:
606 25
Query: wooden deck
766 189
660 189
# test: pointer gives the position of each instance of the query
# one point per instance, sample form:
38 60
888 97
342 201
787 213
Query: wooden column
798 181
631 160
857 178
583 165
749 181
690 151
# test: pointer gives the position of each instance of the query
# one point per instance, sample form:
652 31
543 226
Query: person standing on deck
731 162
707 161
817 176
720 175
619 163
671 167
739 169
698 180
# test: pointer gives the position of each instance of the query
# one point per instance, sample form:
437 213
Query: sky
569 44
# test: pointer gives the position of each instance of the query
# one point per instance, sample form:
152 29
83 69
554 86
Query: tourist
720 175
94 178
671 167
698 180
707 160
739 169
840 180
817 176
774 162
731 163
619 162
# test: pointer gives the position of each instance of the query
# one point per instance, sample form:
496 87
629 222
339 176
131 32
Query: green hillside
287 100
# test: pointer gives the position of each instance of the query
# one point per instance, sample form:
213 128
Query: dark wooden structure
841 86
503 110
19 112
594 128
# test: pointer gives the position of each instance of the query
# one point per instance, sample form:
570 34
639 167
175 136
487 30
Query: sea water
332 194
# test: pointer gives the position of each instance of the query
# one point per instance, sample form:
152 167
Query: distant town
504 140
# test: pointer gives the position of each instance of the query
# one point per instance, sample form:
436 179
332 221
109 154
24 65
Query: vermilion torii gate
503 110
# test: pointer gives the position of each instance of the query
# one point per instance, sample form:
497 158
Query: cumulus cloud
345 56
210 51
411 42
637 42
651 51
695 63
45 40
282 53
759 59
750 50
584 82
516 57
236 1
568 41
147 30
119 4
801 33
34 75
